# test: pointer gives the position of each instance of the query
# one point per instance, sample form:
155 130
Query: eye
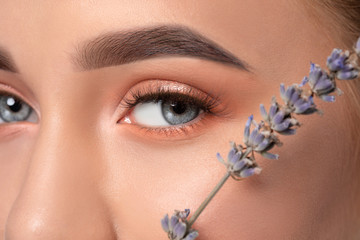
168 106
166 112
12 109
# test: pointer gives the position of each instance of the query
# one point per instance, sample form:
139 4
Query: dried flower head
321 83
176 227
296 101
337 60
339 64
238 164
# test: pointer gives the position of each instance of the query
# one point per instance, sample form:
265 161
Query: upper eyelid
223 110
164 88
167 86
156 96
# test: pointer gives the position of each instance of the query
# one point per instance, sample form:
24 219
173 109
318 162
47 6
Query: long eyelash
165 93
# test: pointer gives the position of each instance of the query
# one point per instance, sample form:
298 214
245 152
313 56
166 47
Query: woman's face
82 158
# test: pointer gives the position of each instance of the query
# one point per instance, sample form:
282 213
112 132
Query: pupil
178 108
13 104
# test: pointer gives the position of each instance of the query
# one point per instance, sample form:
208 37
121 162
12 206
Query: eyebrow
117 48
6 62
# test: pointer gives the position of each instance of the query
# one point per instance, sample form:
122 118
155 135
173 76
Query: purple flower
279 120
176 226
296 101
337 60
260 140
238 164
321 83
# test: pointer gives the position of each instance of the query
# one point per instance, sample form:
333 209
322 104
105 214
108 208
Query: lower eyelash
170 131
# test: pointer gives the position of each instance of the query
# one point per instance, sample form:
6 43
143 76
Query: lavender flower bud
183 214
238 164
235 162
261 141
270 155
348 72
250 171
233 156
173 221
357 47
192 235
256 137
305 105
295 101
280 120
179 230
320 82
247 128
327 98
165 223
303 82
337 60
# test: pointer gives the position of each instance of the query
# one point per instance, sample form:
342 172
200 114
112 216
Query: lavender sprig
280 119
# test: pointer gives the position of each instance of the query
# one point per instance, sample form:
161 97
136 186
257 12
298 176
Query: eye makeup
155 91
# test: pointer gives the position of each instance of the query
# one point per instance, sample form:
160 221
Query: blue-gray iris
179 112
12 109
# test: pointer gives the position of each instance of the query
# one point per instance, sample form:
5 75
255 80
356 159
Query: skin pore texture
81 172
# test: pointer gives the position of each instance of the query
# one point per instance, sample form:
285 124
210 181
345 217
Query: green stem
208 199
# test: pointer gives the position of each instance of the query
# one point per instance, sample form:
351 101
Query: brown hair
341 19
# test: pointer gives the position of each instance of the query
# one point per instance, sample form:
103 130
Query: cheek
146 179
15 147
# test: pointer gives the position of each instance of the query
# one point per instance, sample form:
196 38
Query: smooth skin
79 173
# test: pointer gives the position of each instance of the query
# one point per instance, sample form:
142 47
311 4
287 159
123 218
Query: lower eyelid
190 130
12 130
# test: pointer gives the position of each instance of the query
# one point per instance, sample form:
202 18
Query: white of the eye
149 114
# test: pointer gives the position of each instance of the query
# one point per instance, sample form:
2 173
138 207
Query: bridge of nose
60 197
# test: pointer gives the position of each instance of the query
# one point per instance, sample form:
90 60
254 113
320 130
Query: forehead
47 33
61 22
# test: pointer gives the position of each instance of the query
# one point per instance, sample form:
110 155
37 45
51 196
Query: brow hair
116 48
6 62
